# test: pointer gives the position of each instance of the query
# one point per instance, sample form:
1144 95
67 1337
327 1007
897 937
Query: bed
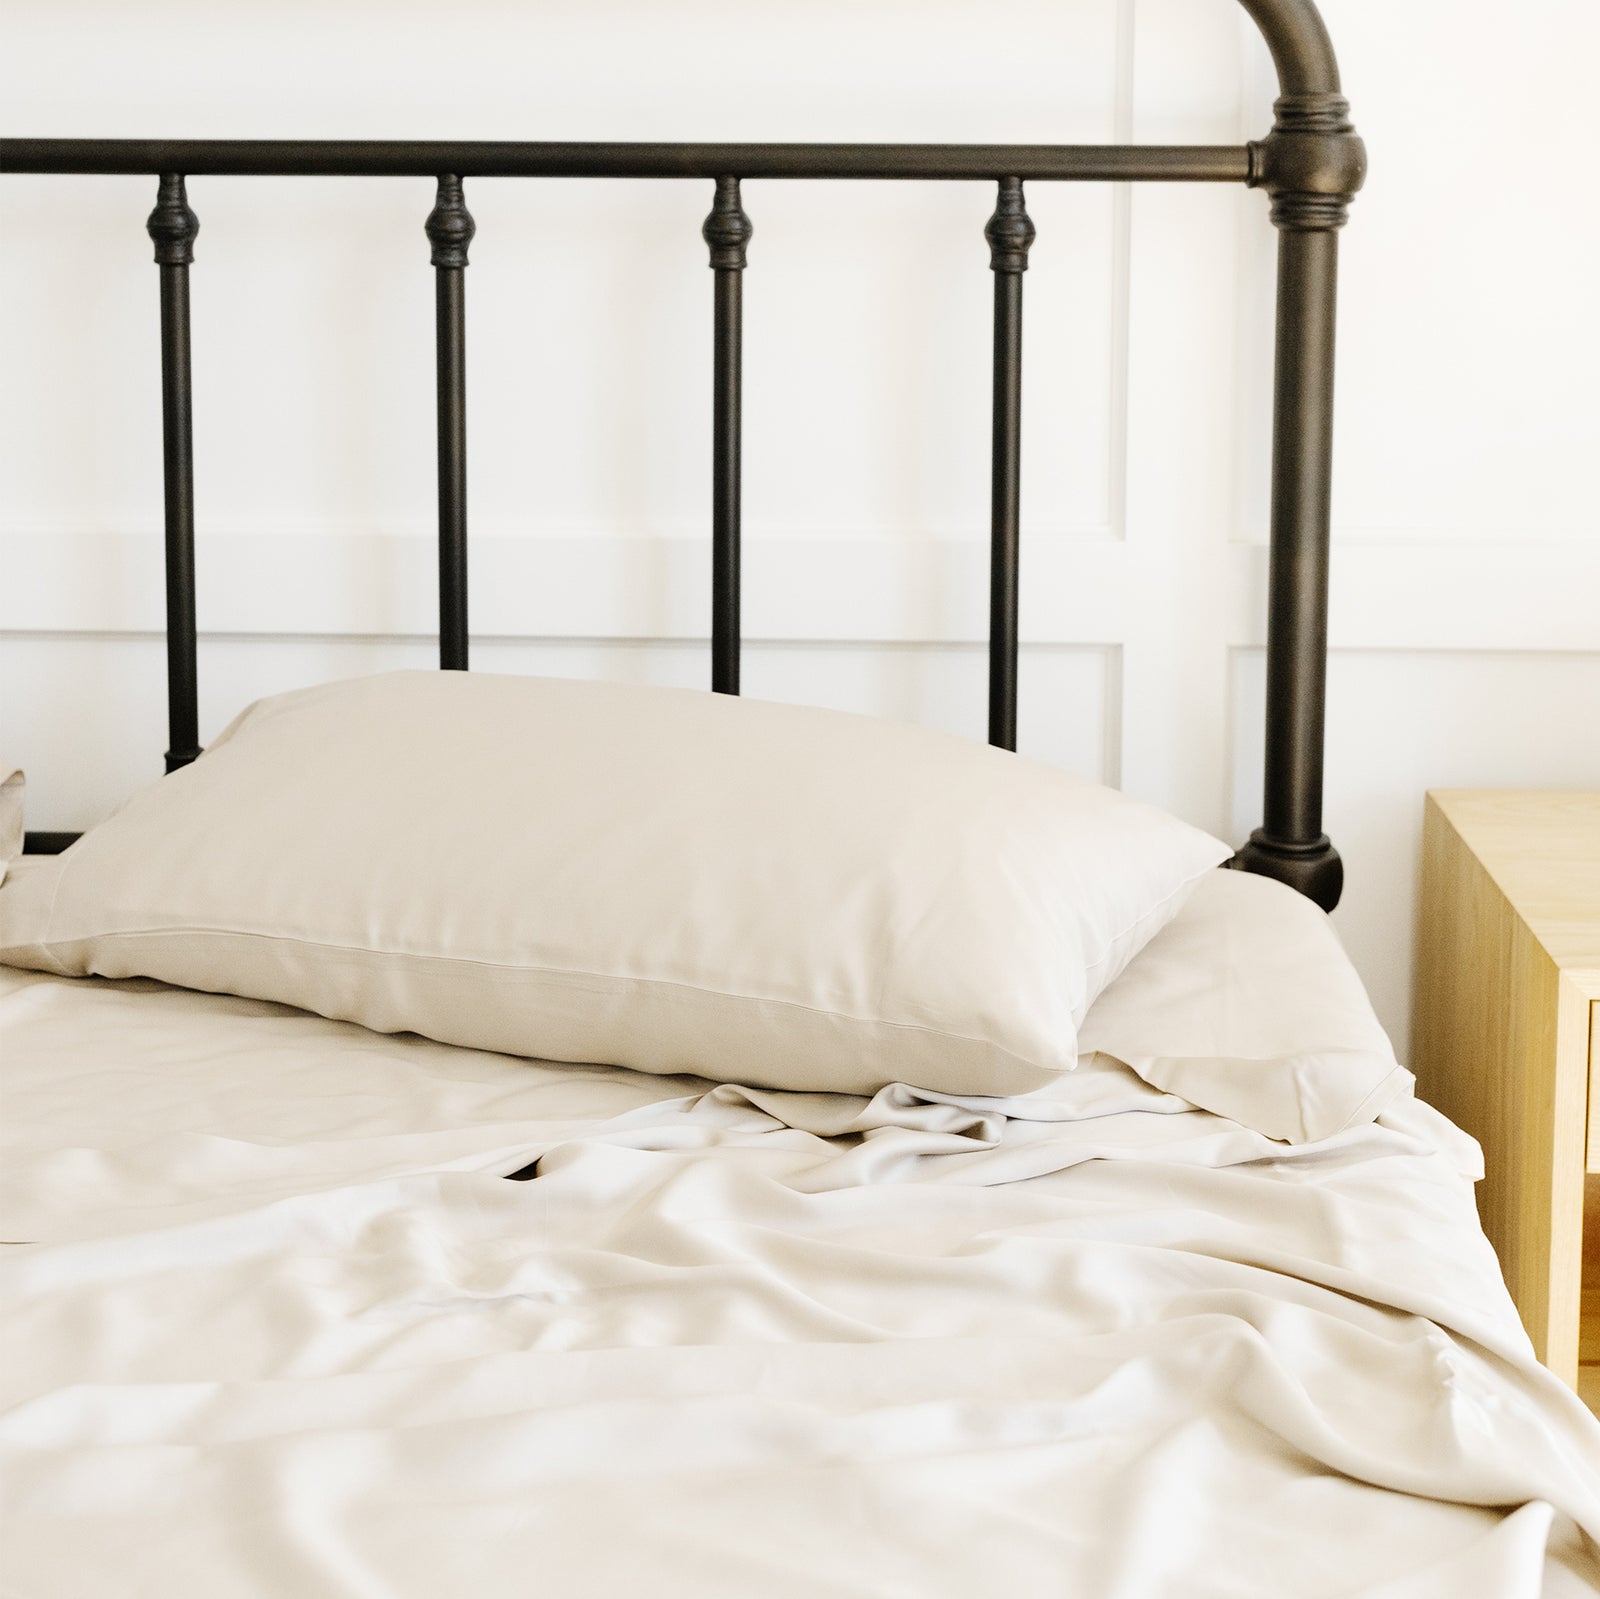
467 1133
277 1323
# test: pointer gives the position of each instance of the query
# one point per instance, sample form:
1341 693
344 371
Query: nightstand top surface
1542 847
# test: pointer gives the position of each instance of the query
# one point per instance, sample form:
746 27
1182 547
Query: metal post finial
450 227
728 231
172 226
1010 231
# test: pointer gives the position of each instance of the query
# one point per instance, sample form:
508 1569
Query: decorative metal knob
450 226
728 231
1010 230
173 226
1311 164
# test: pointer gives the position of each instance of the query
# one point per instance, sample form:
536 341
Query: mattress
277 1324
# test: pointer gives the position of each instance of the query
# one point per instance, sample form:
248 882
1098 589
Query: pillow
1246 1004
11 799
657 878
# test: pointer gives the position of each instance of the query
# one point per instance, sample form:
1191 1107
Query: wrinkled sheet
275 1324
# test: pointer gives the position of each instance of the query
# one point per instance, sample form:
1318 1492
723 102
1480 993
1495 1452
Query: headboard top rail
367 158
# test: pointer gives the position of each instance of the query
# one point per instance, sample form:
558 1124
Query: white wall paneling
97 702
1466 579
1403 720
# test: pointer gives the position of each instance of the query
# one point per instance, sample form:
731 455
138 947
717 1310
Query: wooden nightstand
1506 1041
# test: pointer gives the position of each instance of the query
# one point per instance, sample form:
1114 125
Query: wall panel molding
1386 594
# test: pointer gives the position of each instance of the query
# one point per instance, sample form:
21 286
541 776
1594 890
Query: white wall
1466 608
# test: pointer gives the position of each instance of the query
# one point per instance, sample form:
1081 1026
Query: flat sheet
276 1325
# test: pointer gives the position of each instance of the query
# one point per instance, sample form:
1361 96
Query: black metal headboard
1310 165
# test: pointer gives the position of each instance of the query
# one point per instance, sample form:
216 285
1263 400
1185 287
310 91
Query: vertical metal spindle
173 228
1297 588
1010 232
1311 164
728 232
450 229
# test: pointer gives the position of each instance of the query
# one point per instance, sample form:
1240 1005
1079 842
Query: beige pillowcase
656 878
1246 1004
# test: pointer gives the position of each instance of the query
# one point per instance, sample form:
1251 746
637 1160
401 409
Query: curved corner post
173 227
1010 233
1301 50
727 233
450 229
1311 165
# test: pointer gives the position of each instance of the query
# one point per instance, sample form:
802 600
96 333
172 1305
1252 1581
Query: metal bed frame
1310 165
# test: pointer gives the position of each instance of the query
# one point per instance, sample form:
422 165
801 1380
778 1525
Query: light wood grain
1593 1162
1508 971
1542 847
1589 1327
